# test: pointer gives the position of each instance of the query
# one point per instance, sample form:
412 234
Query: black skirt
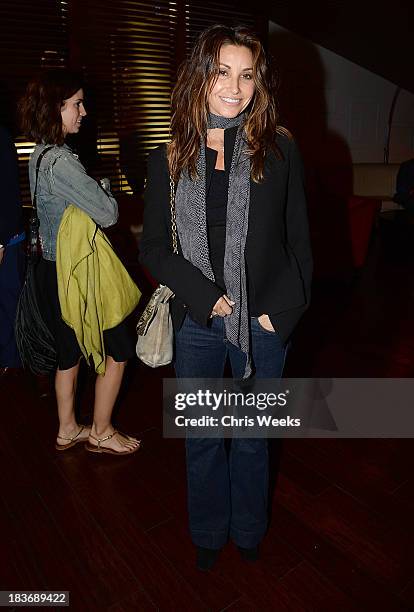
119 342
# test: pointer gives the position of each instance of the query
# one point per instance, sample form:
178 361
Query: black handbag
34 340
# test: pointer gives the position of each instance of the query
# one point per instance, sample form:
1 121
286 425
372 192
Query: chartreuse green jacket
95 290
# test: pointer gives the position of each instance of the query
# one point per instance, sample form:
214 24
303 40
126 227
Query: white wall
352 102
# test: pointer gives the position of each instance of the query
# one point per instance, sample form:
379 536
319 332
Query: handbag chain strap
148 313
173 216
39 161
34 219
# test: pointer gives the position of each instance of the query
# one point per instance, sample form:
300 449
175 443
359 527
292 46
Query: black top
216 212
278 254
10 205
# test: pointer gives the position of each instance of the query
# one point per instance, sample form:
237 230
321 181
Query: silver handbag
154 328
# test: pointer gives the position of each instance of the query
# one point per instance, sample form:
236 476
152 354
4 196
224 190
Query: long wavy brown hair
40 107
189 101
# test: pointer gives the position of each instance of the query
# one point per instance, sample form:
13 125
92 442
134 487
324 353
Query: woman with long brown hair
242 274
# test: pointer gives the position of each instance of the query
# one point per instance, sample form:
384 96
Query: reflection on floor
113 531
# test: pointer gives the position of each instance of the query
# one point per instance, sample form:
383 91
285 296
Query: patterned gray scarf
192 230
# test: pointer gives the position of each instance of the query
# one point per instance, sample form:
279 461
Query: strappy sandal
104 449
72 441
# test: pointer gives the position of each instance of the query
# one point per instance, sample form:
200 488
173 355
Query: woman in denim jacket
53 108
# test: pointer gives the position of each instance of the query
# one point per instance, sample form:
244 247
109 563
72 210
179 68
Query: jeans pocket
263 329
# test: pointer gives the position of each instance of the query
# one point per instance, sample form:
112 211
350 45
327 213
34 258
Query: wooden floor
113 530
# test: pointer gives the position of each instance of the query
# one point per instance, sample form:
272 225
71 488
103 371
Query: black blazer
278 254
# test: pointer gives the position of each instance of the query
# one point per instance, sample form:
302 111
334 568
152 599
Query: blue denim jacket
63 181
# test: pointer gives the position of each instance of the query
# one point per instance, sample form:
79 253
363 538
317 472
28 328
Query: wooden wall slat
128 51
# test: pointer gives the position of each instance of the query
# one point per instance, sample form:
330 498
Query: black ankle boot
249 554
206 557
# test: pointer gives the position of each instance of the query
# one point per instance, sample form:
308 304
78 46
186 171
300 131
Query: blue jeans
227 492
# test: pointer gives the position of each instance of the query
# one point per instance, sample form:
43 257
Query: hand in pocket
266 323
